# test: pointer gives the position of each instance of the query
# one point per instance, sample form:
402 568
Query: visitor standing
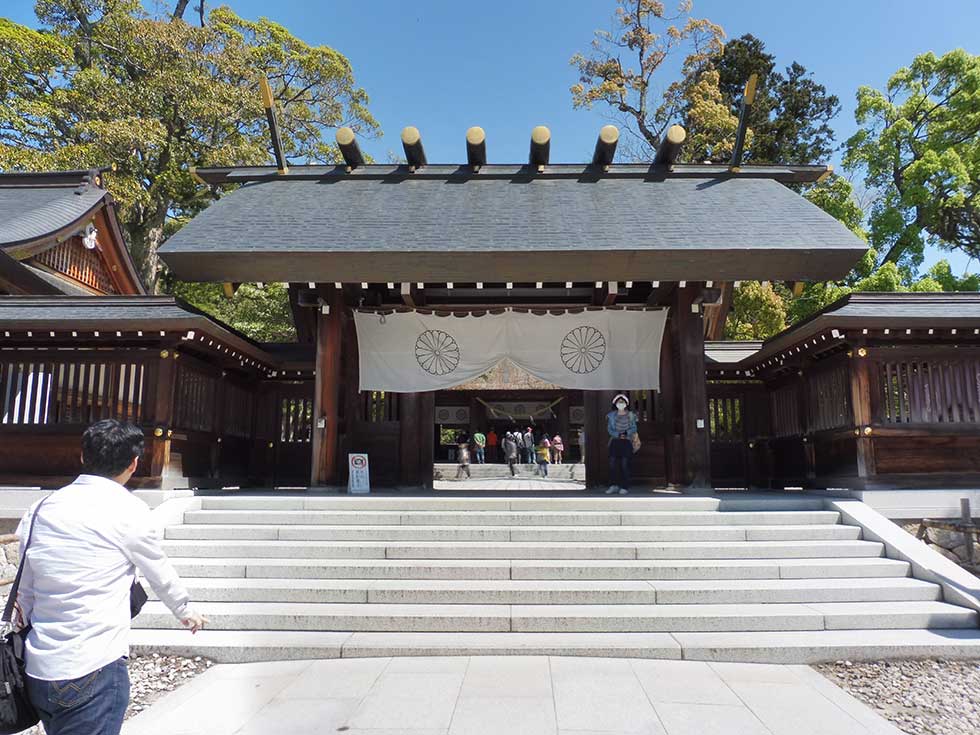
463 449
543 452
557 449
529 446
621 426
480 442
89 539
510 452
492 440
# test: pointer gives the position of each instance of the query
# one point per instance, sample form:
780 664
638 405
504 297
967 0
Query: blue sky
444 65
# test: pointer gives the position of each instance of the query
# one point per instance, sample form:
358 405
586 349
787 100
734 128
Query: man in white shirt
89 539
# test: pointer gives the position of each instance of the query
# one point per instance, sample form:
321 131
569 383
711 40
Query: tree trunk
181 7
145 237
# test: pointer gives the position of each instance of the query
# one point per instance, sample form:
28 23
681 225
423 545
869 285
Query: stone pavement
517 484
533 695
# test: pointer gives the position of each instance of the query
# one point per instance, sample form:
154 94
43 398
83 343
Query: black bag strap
12 597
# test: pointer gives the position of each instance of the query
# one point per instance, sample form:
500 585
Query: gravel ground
151 677
919 697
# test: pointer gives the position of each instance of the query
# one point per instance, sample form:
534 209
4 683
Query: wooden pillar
667 410
687 333
595 468
410 439
163 379
862 385
806 421
326 396
426 428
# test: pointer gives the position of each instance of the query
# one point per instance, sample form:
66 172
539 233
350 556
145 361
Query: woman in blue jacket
621 427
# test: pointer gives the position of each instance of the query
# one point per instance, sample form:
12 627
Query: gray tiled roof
326 222
878 311
549 214
30 213
119 313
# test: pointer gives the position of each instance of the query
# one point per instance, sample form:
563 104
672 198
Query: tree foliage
261 313
105 82
919 147
619 70
790 117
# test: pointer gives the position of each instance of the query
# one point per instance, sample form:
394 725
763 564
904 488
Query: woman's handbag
16 711
636 443
137 598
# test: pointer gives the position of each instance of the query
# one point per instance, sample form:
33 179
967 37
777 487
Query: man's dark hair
108 447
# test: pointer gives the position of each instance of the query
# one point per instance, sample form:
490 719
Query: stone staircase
496 471
743 578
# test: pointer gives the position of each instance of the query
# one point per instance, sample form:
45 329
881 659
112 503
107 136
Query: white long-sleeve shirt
89 539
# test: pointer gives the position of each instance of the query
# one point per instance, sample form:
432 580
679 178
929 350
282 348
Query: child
543 452
557 449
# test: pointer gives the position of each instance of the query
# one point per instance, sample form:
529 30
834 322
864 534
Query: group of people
516 447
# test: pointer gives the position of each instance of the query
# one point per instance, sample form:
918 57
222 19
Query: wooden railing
38 389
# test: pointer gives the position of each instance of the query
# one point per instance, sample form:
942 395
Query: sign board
358 475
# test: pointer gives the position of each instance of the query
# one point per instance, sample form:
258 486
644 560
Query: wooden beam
715 315
687 333
407 298
326 398
748 97
412 144
160 413
269 102
427 424
612 290
662 293
304 318
862 385
605 146
540 147
476 148
410 439
670 147
349 149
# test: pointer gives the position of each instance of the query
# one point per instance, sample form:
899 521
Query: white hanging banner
409 352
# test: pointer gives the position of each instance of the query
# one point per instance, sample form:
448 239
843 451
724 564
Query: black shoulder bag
16 711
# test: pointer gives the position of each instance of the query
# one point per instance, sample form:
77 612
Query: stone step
776 647
382 503
262 532
578 502
510 518
737 618
545 592
568 618
700 550
556 569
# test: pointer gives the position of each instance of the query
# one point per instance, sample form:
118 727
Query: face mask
620 405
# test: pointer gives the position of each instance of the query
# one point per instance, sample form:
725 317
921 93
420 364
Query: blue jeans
94 704
480 456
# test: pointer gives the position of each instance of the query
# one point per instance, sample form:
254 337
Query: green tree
105 82
791 115
919 147
758 312
620 67
261 313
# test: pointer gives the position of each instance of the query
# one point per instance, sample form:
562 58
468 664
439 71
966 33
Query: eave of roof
125 314
876 311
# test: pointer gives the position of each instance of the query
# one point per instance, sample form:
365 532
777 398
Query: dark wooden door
293 434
